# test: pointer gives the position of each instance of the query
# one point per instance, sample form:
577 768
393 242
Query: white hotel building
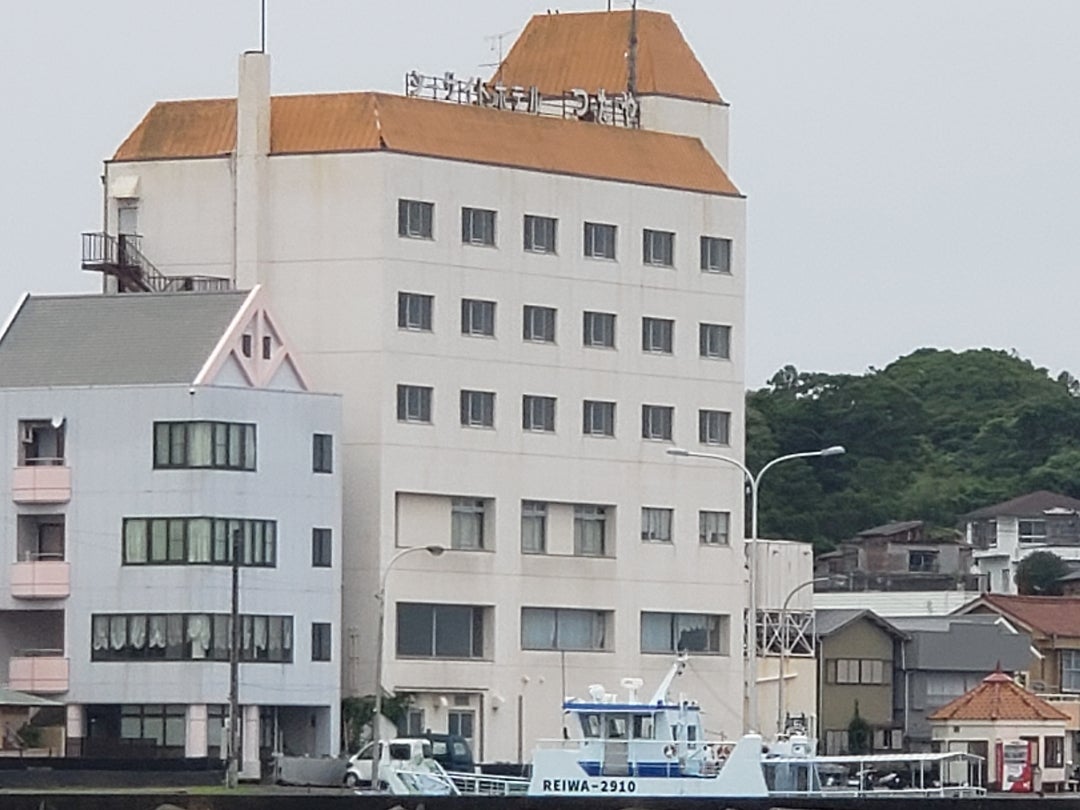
147 435
523 313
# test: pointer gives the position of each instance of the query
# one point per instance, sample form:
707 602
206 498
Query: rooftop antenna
495 43
631 76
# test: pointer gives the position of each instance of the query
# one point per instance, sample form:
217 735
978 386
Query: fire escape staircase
121 258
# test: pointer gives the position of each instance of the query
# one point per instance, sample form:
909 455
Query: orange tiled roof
1045 615
559 52
998 697
360 122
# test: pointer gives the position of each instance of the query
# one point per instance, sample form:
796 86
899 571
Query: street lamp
750 662
380 595
784 647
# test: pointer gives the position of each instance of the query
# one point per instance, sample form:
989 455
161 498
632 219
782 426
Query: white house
146 437
523 312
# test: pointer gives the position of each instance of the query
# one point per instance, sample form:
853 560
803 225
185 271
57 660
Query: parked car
400 766
451 751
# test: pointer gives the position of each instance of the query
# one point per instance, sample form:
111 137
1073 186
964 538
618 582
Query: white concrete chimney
250 165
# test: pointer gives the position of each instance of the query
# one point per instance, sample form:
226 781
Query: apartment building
151 440
527 290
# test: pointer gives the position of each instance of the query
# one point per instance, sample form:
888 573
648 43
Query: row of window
870 671
538 325
477 409
195 445
592 527
465 631
190 637
211 541
416 220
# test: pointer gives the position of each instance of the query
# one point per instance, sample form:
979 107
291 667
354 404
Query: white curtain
137 631
101 632
538 629
200 444
118 632
581 630
198 550
199 634
157 631
135 541
260 633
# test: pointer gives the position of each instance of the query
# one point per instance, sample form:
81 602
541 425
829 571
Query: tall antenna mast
631 77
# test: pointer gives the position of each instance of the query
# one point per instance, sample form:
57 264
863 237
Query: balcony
41 483
1068 703
42 672
41 579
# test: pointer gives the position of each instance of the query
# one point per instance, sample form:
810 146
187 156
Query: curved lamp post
380 595
784 647
750 662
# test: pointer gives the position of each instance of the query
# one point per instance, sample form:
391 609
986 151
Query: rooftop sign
617 110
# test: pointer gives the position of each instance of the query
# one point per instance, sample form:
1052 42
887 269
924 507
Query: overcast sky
912 169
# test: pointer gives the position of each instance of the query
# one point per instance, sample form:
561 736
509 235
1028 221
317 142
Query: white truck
404 767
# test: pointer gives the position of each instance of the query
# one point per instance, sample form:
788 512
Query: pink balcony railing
43 672
41 579
41 483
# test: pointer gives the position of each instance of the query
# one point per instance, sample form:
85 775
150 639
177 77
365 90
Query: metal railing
121 256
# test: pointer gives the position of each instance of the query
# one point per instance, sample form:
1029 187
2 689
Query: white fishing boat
656 747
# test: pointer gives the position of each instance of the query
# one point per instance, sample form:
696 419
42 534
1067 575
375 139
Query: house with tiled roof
1003 534
999 713
526 286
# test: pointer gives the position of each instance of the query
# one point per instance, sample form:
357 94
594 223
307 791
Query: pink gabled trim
259 372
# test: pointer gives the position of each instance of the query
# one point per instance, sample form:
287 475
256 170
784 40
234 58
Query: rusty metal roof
359 122
998 697
588 50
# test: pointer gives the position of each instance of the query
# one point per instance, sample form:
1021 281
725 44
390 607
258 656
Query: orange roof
588 50
998 697
360 122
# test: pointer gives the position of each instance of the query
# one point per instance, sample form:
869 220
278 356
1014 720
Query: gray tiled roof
830 620
128 339
1033 504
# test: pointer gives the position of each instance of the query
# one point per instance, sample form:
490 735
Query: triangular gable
254 352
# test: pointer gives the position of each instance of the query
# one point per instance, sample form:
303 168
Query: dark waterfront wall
297 801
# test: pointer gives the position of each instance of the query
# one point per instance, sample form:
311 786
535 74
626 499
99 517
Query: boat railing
482 784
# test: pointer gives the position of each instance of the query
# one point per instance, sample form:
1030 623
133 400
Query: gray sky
913 169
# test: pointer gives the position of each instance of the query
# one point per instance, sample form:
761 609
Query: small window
564 629
477 317
538 413
656 525
414 311
267 347
467 523
714 427
714 528
599 329
415 219
659 248
245 345
599 240
478 409
540 234
656 421
414 403
322 554
322 452
477 226
657 335
533 527
715 254
715 341
590 530
320 641
684 632
599 418
539 324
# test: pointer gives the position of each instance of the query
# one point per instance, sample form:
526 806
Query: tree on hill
933 435
1040 573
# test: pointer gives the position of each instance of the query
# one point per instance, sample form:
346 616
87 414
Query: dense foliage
1040 573
932 436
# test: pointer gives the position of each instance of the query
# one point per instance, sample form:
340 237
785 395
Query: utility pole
232 775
